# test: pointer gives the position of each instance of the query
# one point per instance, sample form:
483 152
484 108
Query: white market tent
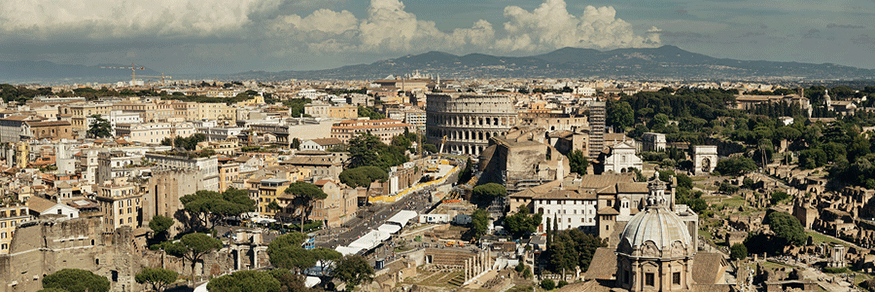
389 228
371 239
311 281
345 250
402 217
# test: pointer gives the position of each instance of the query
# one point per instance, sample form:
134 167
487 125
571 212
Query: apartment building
82 111
10 217
120 203
385 129
269 189
324 110
208 167
217 112
154 133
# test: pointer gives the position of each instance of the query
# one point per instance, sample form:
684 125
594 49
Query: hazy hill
663 63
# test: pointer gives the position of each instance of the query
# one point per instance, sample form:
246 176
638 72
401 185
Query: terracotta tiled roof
39 204
603 264
708 267
608 211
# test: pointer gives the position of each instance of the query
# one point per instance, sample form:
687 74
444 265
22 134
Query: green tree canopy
487 192
289 282
158 278
735 166
76 280
738 251
362 176
479 222
787 228
245 281
548 284
209 206
578 162
286 252
305 193
522 223
466 173
620 115
368 150
325 257
572 248
99 128
159 224
367 112
354 270
193 247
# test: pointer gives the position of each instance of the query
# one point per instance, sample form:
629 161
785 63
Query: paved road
371 218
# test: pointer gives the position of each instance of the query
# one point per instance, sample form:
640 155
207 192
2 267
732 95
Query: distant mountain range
663 63
22 72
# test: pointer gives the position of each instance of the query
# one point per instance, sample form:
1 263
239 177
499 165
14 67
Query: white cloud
126 19
322 20
550 26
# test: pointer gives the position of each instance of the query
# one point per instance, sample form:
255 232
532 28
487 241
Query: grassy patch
773 265
835 270
820 238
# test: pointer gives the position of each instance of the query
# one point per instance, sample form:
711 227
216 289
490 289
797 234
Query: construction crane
443 141
133 69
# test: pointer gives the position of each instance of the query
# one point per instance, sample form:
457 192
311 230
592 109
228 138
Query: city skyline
216 37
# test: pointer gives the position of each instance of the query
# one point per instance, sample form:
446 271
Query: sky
224 36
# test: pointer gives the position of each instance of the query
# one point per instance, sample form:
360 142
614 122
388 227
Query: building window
626 278
676 278
648 279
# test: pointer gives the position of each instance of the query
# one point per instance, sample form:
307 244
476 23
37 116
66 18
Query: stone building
45 246
655 251
522 155
163 190
468 121
704 159
653 141
385 129
619 158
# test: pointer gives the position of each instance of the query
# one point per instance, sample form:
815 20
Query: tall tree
76 280
209 206
193 247
578 162
620 115
787 228
479 222
286 252
522 223
159 224
326 258
354 270
99 128
158 278
488 192
305 193
249 281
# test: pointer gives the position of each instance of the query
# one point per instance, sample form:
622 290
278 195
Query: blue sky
220 36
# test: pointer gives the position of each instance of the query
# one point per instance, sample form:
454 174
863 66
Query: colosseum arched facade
468 121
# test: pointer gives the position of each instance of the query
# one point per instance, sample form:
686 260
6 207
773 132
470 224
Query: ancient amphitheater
467 120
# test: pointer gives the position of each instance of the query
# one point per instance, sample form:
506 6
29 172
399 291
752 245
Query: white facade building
571 209
621 158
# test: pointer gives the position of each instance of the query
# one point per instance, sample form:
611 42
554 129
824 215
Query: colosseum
468 121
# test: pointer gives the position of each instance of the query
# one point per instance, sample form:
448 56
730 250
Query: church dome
659 225
657 231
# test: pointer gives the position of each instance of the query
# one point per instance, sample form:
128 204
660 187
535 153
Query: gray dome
657 224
